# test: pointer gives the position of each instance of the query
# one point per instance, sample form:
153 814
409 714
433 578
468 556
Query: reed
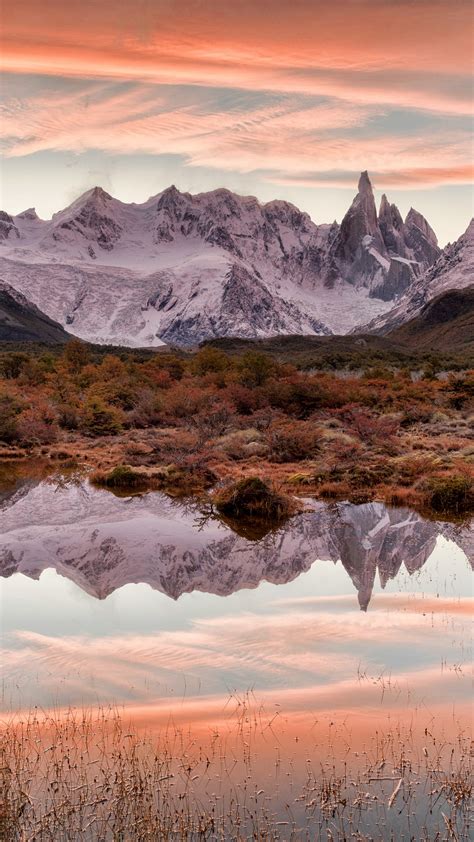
87 775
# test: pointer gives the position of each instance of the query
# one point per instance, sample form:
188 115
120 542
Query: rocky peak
390 223
92 217
29 214
390 214
469 232
172 203
100 195
359 224
416 219
365 185
7 226
420 239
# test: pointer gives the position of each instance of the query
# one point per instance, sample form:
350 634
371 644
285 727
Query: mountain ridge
182 268
453 270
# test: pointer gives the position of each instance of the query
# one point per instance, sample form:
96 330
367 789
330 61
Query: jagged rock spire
365 185
417 219
359 222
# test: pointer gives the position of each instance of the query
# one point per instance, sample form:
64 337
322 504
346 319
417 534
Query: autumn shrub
292 441
255 368
100 419
298 397
12 364
211 422
451 493
76 355
246 401
147 410
185 399
255 498
37 425
209 360
371 428
122 476
409 468
10 409
416 414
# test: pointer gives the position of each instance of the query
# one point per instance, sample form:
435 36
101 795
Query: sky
273 98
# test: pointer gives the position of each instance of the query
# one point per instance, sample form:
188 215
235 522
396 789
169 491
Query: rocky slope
444 324
21 321
181 268
454 269
103 542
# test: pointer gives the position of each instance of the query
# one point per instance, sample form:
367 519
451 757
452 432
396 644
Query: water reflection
102 542
280 687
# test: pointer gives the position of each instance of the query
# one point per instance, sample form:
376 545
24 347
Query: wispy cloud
295 646
411 54
289 140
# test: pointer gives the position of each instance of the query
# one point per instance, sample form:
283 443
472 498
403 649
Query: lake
323 643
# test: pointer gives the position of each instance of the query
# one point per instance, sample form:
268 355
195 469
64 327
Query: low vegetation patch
185 422
453 494
253 497
123 476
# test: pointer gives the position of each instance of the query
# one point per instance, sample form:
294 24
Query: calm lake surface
355 618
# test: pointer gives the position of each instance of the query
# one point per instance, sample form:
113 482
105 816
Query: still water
355 618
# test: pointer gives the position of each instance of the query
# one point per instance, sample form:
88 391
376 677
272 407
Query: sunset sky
272 98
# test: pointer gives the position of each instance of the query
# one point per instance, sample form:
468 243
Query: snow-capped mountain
454 269
103 542
181 268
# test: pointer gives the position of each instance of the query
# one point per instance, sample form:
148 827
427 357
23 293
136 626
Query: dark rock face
391 226
106 231
359 222
421 239
382 252
21 321
452 271
246 308
7 226
399 278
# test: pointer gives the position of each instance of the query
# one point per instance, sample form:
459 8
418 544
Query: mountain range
102 542
181 269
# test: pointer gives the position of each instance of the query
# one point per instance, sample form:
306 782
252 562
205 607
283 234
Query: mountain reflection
102 542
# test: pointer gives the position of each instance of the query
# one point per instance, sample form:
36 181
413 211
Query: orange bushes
185 399
371 428
37 424
382 436
291 441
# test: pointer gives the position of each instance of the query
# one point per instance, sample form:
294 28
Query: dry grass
88 776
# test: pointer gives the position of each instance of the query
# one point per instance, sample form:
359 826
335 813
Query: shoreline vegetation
202 423
92 774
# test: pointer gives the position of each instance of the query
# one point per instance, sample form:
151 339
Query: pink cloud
293 645
294 140
411 54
